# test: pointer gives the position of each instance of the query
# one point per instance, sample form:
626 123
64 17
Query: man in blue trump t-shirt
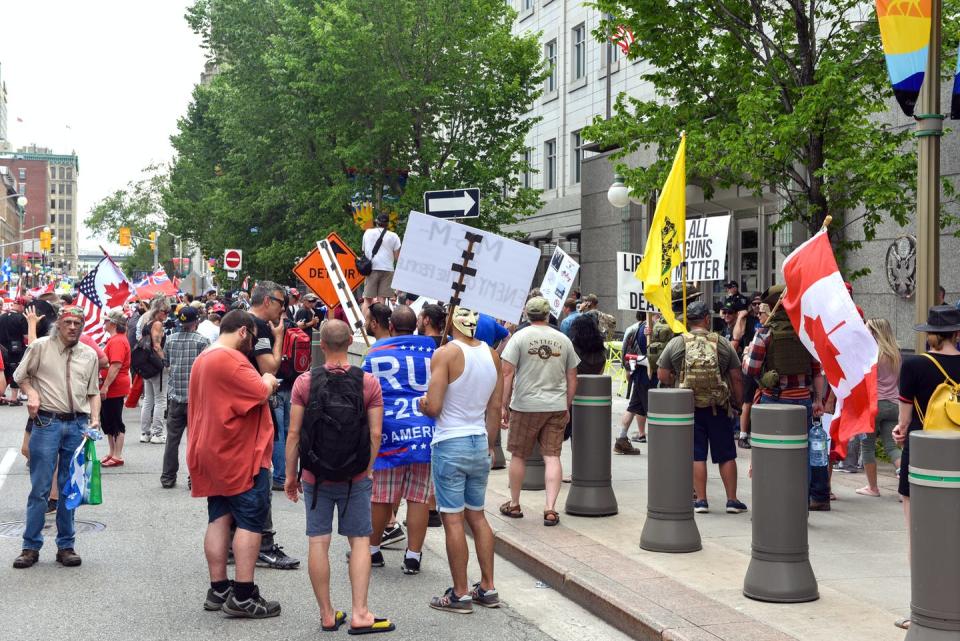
401 363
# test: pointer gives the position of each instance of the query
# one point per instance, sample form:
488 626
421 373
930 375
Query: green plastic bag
93 493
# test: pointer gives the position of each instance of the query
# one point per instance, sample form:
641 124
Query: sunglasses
279 301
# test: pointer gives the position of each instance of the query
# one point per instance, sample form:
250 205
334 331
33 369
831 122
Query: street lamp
618 194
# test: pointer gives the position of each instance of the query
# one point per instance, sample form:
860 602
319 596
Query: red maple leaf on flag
117 294
826 350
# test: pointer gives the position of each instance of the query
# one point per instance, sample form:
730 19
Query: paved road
144 576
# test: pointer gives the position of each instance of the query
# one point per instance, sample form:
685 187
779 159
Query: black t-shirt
919 377
13 327
262 342
305 315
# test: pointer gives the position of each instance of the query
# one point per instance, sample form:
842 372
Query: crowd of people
416 424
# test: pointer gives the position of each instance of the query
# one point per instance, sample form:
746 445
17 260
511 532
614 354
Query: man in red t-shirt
116 385
230 443
351 498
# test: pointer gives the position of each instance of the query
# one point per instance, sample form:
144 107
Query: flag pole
683 251
826 224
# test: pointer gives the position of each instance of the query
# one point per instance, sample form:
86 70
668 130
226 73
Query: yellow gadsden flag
666 242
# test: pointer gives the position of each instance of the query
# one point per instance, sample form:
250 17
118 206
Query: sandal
833 497
114 462
379 625
548 521
339 618
105 459
866 491
903 623
513 511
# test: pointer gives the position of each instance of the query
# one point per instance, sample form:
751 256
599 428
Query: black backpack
335 437
144 361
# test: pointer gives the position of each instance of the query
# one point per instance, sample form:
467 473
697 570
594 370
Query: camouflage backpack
660 335
786 355
701 371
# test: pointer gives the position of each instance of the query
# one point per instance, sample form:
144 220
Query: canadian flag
826 320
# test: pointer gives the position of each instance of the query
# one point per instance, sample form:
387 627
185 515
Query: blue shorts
460 469
249 509
352 503
715 430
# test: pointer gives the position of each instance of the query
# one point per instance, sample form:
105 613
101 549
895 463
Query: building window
23 173
528 162
53 188
579 51
576 144
61 204
69 173
528 5
613 53
53 173
70 204
53 205
550 164
53 217
61 173
62 189
23 188
550 53
69 189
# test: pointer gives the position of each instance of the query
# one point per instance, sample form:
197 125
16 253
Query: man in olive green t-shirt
539 382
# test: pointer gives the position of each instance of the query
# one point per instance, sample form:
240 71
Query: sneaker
623 446
277 486
735 507
376 559
256 607
450 602
434 520
159 439
215 600
144 438
639 438
487 598
744 441
701 507
819 506
277 559
411 566
392 535
168 484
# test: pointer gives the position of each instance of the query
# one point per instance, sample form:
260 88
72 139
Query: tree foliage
782 96
319 104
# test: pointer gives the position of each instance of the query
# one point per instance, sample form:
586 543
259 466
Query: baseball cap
697 310
116 316
537 308
465 320
383 218
731 283
727 308
188 315
294 292
311 297
218 308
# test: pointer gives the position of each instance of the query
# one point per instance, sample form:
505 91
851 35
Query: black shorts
749 389
111 416
903 489
716 431
249 509
638 396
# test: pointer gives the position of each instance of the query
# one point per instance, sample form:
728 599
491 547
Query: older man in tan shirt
59 376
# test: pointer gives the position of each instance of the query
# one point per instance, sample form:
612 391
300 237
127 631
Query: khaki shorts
527 428
378 285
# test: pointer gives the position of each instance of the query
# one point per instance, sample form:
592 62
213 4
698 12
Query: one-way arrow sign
452 203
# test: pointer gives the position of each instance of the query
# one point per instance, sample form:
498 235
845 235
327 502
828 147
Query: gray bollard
779 570
499 460
316 354
670 526
591 493
934 533
533 476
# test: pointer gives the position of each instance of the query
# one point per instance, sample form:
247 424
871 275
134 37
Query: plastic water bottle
819 442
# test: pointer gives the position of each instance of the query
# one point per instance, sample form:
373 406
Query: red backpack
296 354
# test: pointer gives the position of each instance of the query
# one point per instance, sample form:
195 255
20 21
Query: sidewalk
858 552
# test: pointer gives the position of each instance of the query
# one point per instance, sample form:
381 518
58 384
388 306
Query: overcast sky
104 78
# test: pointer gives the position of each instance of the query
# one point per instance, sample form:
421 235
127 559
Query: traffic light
153 240
46 240
124 236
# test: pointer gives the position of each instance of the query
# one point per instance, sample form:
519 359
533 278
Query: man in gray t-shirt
539 382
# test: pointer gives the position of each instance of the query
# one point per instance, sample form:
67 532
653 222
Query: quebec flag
402 366
76 485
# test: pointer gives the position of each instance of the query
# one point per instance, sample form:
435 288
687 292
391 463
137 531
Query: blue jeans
51 438
460 469
281 415
819 477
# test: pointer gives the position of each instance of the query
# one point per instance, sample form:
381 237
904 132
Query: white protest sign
497 278
629 287
558 280
706 250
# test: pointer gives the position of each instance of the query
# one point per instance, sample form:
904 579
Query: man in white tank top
464 396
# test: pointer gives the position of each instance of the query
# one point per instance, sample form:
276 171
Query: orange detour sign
312 272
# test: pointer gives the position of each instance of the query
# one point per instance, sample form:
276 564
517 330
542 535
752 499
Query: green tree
315 105
782 96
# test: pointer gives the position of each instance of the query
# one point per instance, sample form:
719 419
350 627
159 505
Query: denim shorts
460 469
249 509
353 508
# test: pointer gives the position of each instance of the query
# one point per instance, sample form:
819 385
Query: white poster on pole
558 281
629 287
496 280
706 250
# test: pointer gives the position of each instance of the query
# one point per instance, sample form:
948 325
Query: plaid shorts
527 428
410 482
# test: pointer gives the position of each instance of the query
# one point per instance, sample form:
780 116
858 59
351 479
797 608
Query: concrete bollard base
590 500
670 535
499 460
533 476
780 582
919 632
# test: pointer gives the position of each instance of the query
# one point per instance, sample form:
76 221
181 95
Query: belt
62 416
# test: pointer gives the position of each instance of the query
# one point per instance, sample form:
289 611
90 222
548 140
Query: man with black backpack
381 248
336 419
13 342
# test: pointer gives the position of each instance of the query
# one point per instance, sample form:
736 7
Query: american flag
623 38
101 289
